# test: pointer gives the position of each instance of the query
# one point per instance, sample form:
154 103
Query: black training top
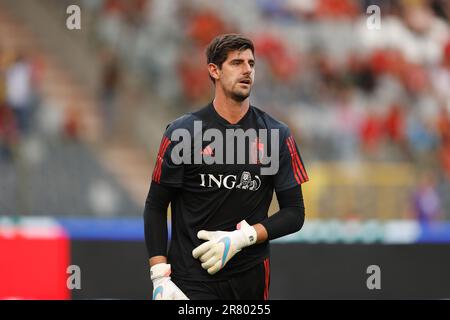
218 196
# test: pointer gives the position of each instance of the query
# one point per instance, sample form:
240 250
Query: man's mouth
246 81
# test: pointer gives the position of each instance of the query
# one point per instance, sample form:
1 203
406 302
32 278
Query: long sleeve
155 219
290 217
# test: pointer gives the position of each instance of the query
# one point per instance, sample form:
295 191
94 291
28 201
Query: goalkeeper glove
221 246
163 287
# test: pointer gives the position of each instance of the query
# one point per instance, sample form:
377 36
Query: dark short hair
218 49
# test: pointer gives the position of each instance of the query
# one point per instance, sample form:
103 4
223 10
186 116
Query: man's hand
221 246
163 287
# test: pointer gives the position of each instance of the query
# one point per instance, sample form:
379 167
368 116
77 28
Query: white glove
222 246
163 287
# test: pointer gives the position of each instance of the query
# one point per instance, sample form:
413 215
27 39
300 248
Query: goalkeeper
220 235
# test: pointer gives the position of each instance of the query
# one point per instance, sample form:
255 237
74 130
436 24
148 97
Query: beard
239 95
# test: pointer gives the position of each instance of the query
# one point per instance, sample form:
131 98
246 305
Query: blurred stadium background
82 113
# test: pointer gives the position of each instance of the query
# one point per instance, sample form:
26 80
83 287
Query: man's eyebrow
240 60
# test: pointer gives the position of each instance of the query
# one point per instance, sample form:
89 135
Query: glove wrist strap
160 270
248 231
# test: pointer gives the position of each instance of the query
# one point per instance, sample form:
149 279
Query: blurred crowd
43 167
24 113
348 91
380 94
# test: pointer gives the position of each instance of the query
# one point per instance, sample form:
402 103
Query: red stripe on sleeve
299 162
155 169
294 168
161 160
162 150
163 140
158 160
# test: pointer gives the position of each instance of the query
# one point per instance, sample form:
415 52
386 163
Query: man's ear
214 71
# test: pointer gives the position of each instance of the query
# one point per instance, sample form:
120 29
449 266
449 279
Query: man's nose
247 68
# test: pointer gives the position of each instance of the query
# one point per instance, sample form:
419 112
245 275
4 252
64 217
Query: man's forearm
261 233
155 222
289 219
284 222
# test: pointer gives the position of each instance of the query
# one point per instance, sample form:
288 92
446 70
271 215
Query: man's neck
229 109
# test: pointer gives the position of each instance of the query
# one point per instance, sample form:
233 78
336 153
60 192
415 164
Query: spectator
371 133
7 126
19 92
108 93
426 202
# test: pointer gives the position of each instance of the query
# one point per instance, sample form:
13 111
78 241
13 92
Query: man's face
237 74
